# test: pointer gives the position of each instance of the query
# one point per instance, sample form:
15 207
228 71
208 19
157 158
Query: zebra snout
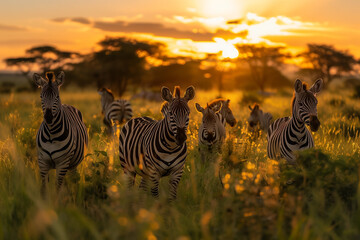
314 123
252 124
48 116
181 136
211 136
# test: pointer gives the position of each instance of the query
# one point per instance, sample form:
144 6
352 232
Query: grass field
254 200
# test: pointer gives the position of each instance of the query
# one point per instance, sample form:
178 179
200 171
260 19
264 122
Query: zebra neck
221 118
105 105
166 134
264 121
57 121
297 125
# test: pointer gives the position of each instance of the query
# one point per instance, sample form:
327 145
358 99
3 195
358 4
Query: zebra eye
300 104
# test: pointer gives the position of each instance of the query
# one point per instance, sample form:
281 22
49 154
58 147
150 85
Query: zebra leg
144 184
155 184
61 171
75 176
130 178
173 183
44 173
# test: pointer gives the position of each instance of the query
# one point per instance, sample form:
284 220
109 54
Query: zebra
62 137
212 130
225 111
289 134
258 117
115 111
154 149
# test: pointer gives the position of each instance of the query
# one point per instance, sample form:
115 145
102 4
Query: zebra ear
60 78
39 80
166 94
298 86
199 108
316 87
250 108
190 93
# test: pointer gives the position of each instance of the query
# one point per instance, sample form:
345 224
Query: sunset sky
188 27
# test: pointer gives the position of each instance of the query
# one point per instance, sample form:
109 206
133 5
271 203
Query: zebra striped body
115 111
62 136
258 117
154 149
212 129
287 135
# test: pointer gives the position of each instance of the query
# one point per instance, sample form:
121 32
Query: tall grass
237 193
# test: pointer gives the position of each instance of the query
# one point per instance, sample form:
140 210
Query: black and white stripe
287 135
115 111
154 149
258 117
62 135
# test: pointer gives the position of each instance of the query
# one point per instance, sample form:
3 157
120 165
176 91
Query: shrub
250 98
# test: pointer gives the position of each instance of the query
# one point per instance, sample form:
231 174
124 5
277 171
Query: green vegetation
257 198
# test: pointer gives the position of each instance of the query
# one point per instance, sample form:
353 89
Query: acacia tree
44 58
328 61
121 61
261 59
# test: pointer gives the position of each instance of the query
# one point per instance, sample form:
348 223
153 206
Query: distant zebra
257 116
225 111
212 130
287 135
115 111
62 135
154 149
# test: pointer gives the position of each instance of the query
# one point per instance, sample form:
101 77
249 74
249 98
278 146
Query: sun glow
228 50
224 8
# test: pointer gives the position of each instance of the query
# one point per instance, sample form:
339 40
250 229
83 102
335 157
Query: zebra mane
216 101
50 76
177 92
108 91
305 86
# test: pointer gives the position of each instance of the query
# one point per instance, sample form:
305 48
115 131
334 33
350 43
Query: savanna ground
258 198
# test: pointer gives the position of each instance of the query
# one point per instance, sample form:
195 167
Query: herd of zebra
154 149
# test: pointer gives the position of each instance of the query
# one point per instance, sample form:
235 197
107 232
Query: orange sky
188 27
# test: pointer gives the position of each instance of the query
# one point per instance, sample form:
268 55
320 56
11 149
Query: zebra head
209 120
177 111
50 99
255 113
106 97
304 104
227 113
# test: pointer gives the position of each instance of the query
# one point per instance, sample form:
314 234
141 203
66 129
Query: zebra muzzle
180 136
48 116
314 123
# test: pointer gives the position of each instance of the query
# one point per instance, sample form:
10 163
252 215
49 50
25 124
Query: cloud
11 28
81 20
153 28
157 29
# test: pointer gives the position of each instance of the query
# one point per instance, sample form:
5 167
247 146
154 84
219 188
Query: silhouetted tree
122 61
260 60
182 74
327 61
44 58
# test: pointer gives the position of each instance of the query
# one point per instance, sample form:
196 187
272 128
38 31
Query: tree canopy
122 61
44 58
328 61
261 59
